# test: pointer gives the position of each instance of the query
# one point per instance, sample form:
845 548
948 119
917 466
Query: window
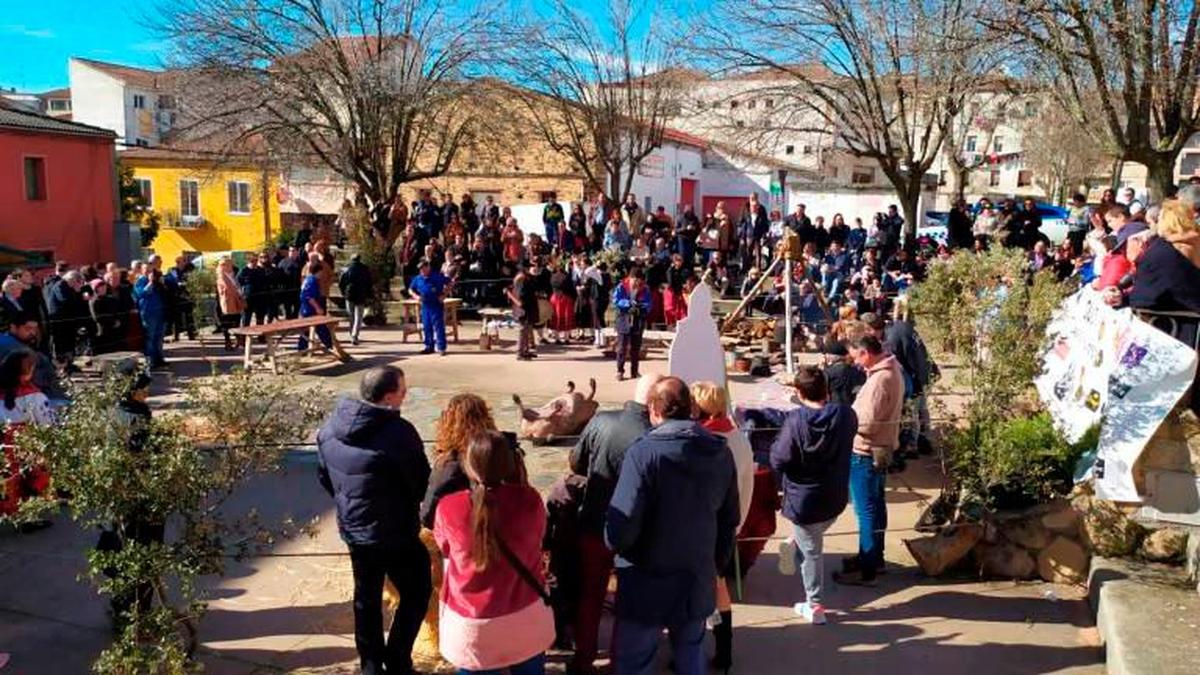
1030 108
994 178
1189 164
145 189
751 104
998 144
239 197
35 179
739 124
862 176
166 101
141 143
139 101
733 105
770 103
59 105
1024 178
189 199
808 150
789 150
942 177
972 141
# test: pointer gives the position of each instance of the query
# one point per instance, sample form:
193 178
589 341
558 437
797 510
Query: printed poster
1106 366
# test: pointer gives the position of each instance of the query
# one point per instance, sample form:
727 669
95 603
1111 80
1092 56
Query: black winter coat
370 459
356 284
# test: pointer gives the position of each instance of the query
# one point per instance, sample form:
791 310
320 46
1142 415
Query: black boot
723 636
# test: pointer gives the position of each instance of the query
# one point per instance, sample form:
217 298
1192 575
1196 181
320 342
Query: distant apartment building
55 103
135 103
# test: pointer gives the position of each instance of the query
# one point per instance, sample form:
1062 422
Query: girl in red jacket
493 616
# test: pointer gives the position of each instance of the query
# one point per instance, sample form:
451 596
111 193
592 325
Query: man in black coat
67 310
357 288
291 267
372 462
598 456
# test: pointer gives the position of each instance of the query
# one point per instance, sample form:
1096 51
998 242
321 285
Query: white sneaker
814 614
787 557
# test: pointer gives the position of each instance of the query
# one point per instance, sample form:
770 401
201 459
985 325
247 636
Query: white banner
1107 366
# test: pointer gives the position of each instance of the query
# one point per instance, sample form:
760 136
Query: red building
58 187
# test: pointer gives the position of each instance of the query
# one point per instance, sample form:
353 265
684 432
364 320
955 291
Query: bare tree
886 79
1126 70
599 92
372 89
1061 154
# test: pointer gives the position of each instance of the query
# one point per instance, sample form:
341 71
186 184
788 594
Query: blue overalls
433 316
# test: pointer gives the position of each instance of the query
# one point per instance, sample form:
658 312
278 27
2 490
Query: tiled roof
684 138
141 77
64 92
22 120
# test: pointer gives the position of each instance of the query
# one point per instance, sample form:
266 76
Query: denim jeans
637 644
810 545
534 666
156 331
356 312
867 494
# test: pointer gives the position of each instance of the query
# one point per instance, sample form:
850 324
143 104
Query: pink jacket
878 406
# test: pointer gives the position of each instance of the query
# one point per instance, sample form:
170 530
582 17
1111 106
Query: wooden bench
411 322
274 333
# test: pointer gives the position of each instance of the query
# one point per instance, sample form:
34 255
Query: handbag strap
523 571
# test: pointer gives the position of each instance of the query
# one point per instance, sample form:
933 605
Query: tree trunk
1160 175
961 174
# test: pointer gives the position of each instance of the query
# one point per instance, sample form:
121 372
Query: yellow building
205 205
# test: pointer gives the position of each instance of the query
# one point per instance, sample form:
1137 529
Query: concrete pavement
291 611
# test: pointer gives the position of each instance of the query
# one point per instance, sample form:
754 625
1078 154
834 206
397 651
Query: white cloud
26 31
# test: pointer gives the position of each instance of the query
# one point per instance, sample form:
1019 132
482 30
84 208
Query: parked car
1054 223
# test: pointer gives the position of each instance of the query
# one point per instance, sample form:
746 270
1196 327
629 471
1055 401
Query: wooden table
662 337
411 322
274 333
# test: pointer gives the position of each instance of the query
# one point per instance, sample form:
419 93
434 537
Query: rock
938 552
1107 528
1028 533
1165 545
1063 562
1007 561
1063 521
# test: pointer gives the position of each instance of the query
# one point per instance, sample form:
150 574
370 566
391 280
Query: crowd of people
659 492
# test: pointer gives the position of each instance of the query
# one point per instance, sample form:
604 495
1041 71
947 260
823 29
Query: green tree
228 429
135 208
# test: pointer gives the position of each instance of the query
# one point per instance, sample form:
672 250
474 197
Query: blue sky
38 36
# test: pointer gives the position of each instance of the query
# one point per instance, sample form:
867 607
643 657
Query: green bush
1014 463
990 315
223 432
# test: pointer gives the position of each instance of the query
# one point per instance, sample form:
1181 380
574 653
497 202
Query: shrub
1013 463
226 430
991 315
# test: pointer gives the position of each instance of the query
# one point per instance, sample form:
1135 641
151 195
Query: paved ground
291 611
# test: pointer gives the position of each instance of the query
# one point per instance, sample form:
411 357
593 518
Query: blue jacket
149 298
371 461
631 311
812 455
672 522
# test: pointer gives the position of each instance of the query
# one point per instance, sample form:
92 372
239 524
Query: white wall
850 203
98 99
677 162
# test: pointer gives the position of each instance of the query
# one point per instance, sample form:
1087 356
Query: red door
687 193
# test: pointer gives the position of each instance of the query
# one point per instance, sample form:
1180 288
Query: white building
135 103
